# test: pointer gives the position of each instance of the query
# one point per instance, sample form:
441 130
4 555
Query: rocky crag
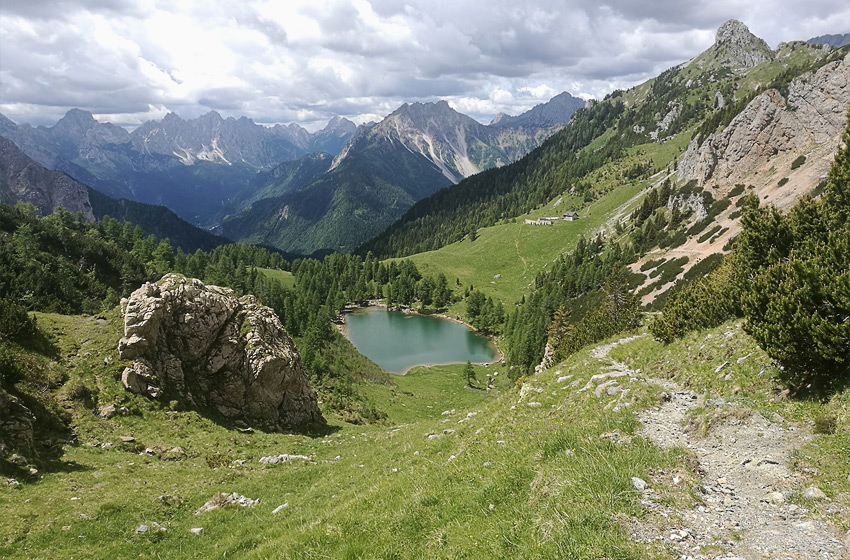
813 114
736 47
16 427
213 351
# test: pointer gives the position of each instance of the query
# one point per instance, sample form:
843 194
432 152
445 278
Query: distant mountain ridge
833 40
192 166
24 180
212 170
415 151
557 111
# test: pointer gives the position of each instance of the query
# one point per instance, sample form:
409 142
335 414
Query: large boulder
209 349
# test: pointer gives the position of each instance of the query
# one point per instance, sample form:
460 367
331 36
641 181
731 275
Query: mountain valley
663 275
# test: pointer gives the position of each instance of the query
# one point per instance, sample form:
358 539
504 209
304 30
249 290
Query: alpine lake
399 341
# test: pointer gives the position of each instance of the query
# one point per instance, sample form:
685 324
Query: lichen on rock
213 351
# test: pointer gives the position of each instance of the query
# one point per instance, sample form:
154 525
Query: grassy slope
283 276
525 482
545 503
518 252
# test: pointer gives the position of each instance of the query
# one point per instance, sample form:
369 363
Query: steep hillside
696 97
23 180
779 146
154 220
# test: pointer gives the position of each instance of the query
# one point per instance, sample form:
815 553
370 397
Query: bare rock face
814 113
737 47
211 350
16 427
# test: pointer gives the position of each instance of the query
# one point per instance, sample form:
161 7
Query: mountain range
281 185
411 154
24 180
191 166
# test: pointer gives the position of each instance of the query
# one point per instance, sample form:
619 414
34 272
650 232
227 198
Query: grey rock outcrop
211 350
814 113
16 427
734 46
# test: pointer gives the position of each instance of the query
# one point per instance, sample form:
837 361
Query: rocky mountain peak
75 121
555 112
737 47
339 124
212 116
499 118
171 118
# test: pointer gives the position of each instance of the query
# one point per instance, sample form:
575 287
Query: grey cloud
108 56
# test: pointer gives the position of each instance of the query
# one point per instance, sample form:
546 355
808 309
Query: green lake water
397 341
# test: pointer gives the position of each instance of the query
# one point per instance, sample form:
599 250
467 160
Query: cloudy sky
128 61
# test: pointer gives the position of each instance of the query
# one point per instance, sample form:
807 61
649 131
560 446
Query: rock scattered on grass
813 493
223 500
282 458
720 367
108 411
639 483
196 530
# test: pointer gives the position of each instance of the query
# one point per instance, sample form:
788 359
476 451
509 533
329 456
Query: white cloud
306 60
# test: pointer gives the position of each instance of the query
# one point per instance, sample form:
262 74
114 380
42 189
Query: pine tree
469 374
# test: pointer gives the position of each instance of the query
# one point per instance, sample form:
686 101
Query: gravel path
746 482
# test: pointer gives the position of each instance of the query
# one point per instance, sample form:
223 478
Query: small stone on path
813 493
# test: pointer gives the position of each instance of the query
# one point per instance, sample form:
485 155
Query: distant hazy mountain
557 111
412 153
832 40
282 185
333 137
24 180
192 166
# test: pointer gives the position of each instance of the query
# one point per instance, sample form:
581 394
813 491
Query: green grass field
283 276
518 252
495 480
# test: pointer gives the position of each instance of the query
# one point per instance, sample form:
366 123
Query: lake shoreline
340 324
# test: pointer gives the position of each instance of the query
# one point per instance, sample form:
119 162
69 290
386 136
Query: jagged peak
339 124
736 46
499 117
212 115
171 117
732 30
77 116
